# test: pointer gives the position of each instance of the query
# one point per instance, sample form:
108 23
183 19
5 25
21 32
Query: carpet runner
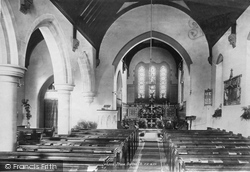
150 154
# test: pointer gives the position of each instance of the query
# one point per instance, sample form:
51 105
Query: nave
125 150
150 154
143 63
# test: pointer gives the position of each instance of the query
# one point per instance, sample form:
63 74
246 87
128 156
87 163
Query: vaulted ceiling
92 18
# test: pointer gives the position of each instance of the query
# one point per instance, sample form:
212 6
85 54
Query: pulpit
107 119
190 119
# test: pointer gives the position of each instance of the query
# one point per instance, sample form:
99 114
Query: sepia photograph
124 86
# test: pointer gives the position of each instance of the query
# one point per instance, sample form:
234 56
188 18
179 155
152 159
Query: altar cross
151 108
151 123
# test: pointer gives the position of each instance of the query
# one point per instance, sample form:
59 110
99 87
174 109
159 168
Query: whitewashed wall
237 59
173 23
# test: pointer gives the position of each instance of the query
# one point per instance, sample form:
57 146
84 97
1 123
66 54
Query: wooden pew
215 167
185 150
209 159
201 153
114 150
65 162
33 135
118 145
132 137
46 132
88 142
133 134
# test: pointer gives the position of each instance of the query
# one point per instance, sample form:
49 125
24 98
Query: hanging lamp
151 84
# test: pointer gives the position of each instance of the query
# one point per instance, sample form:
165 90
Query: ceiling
92 18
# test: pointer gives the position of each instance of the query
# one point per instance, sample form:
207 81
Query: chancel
125 85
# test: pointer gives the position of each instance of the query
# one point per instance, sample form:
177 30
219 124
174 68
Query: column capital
64 87
88 96
12 70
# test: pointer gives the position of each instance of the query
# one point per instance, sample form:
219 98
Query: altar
150 115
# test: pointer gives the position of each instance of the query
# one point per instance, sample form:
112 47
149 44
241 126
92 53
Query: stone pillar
63 91
9 78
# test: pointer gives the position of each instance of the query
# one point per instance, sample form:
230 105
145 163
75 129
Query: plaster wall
41 12
158 55
39 70
177 26
237 59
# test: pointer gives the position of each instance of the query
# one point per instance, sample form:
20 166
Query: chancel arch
119 95
152 75
118 92
153 35
160 41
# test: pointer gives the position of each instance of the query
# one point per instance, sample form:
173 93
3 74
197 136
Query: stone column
9 78
63 91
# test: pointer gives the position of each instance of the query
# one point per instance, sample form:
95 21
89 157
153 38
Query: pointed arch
163 81
155 35
54 38
119 88
141 81
9 52
85 69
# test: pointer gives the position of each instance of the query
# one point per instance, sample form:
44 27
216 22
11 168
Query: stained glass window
152 80
163 82
141 82
152 74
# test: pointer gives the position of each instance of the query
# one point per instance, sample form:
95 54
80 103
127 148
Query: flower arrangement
217 112
246 113
143 123
27 107
134 122
85 125
159 123
168 124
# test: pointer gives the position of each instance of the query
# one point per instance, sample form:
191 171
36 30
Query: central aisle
150 155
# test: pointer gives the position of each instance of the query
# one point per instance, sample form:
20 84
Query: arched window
141 82
151 82
163 82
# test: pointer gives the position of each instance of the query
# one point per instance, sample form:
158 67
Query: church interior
125 85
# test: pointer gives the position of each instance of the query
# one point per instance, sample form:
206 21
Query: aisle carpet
150 154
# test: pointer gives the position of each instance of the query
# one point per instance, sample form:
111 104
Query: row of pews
81 150
210 150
